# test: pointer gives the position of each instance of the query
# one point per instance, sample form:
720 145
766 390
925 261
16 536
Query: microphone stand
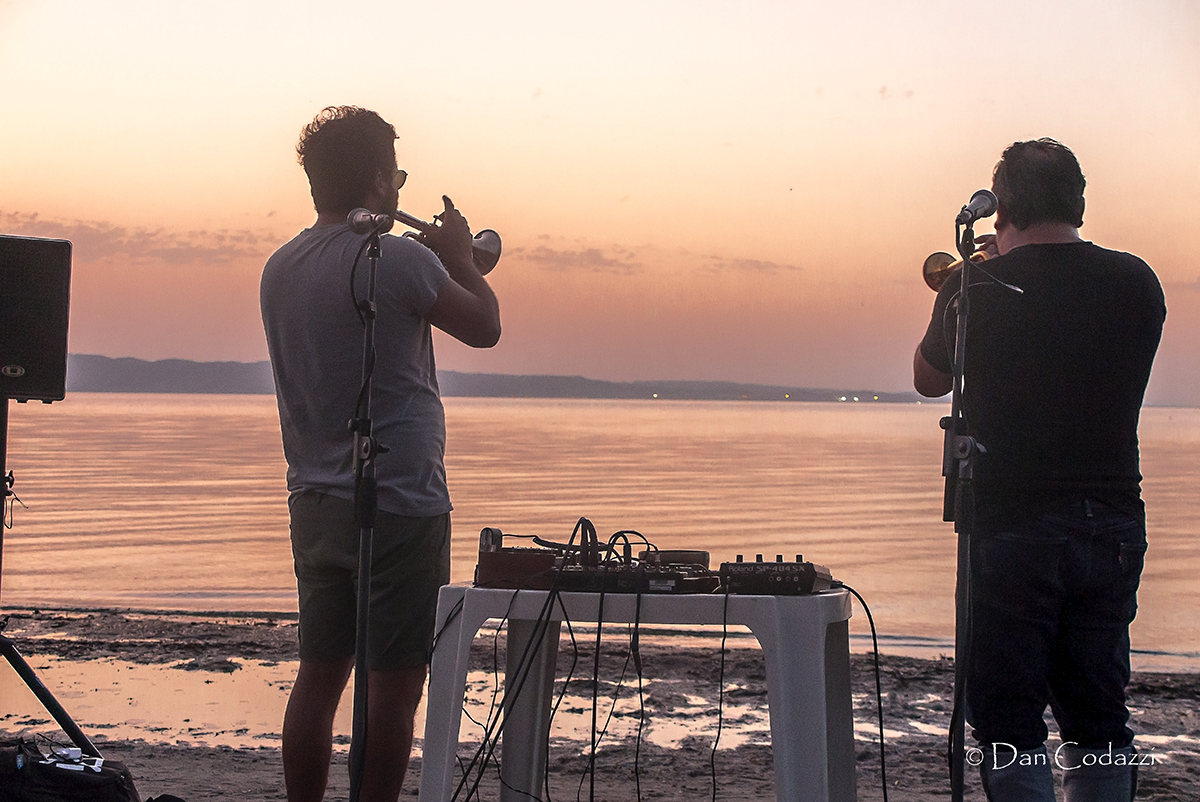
958 466
366 505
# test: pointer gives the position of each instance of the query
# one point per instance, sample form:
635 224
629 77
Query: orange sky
685 189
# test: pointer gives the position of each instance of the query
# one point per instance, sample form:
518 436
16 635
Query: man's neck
1009 236
329 219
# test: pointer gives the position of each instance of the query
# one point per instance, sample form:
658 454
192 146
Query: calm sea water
178 502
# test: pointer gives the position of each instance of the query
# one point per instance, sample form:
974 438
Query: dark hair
342 150
1039 181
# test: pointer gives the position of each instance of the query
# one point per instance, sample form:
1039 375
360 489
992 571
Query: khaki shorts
410 559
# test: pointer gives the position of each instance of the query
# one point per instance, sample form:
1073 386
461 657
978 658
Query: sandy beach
1166 715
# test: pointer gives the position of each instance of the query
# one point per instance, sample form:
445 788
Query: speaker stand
7 647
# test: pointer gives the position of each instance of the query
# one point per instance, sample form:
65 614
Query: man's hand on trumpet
466 308
451 240
987 244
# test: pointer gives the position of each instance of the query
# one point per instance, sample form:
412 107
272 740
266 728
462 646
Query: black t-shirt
1054 376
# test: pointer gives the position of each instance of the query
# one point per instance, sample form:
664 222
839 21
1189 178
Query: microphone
983 204
361 221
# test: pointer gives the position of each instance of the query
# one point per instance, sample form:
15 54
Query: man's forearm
466 308
928 380
466 275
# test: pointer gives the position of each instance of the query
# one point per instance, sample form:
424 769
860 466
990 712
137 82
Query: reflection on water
120 700
178 502
159 704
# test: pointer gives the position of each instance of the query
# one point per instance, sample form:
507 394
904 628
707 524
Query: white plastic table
806 648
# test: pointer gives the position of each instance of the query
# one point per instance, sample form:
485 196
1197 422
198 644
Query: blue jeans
1052 600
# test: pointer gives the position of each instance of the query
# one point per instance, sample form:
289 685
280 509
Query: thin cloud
1178 286
593 259
98 240
719 264
626 261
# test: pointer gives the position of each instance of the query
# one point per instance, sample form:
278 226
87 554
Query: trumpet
938 267
485 246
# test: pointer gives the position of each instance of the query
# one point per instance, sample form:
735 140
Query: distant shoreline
91 373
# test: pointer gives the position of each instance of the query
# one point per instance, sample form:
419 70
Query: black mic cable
878 681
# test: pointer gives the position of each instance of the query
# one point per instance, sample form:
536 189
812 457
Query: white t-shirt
315 339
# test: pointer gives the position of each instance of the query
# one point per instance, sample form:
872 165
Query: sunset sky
686 190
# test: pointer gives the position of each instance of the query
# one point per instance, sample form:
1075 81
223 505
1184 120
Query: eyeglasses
399 178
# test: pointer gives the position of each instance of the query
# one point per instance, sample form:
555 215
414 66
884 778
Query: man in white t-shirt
315 338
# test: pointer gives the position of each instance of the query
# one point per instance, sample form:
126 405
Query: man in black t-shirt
1053 383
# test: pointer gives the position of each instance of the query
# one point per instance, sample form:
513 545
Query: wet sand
1166 715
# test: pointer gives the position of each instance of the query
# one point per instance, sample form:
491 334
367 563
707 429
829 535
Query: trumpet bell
938 267
485 247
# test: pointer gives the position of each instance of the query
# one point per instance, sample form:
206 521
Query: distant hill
88 373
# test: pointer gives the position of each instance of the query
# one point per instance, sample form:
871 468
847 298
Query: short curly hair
1039 181
342 150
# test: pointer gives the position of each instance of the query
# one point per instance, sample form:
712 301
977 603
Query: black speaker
35 290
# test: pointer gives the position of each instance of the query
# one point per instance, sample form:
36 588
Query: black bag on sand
27 775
